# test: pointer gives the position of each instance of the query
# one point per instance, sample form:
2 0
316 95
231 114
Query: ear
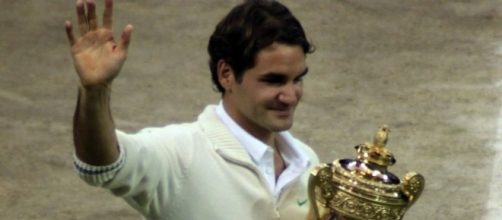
226 75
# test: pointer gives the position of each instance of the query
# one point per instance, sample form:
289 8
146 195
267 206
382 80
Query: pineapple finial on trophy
381 136
376 153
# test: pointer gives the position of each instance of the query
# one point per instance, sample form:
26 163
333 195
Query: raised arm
98 60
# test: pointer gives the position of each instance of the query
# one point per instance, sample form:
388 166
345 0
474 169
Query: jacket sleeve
98 175
152 166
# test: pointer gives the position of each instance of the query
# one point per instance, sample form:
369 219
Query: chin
282 127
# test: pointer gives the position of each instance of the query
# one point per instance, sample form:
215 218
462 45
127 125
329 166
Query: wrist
96 87
95 96
93 90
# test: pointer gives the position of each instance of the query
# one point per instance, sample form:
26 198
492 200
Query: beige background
428 68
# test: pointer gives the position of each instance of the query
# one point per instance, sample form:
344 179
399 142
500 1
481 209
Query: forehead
280 58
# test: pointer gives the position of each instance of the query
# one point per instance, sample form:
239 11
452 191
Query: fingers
126 38
83 26
91 15
69 32
107 15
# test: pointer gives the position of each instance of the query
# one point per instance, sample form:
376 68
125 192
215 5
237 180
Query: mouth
283 112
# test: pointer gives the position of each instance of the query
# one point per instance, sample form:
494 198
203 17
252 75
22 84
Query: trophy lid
373 159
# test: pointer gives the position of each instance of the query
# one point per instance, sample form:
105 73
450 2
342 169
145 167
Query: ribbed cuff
98 175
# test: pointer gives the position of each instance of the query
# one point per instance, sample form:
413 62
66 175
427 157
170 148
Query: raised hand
97 57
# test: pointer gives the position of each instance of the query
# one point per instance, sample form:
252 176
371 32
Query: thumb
126 38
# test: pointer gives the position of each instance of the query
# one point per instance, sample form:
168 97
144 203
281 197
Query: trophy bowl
362 188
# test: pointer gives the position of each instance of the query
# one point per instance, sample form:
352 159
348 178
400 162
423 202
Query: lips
281 109
283 112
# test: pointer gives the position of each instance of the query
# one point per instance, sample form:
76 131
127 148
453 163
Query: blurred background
429 69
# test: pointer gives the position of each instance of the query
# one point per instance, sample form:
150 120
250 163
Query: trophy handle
319 177
413 185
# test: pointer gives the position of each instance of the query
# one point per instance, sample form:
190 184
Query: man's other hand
97 57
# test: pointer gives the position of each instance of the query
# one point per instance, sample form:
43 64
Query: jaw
262 120
279 120
267 125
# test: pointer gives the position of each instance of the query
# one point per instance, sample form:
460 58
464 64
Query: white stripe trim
98 175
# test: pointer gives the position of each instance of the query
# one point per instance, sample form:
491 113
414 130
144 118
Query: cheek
299 91
265 94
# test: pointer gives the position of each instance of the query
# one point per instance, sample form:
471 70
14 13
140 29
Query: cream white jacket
196 171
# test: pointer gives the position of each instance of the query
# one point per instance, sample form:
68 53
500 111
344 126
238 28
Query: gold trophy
350 189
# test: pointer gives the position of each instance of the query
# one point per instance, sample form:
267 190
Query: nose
290 94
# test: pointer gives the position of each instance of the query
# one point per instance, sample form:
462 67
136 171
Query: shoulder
169 138
168 131
182 134
307 150
303 147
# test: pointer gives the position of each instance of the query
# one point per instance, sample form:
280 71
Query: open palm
97 57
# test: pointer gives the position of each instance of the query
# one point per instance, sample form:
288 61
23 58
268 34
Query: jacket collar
223 142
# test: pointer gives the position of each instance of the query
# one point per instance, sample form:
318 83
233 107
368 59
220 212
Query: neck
266 136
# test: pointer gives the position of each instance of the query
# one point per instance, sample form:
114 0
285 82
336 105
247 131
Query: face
265 99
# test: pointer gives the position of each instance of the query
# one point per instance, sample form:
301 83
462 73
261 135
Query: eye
274 79
299 79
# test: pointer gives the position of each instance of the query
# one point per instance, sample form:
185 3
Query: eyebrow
304 72
276 74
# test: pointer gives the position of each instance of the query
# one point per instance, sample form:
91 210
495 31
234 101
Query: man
237 160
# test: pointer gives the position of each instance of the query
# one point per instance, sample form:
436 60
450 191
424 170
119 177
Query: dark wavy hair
248 28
